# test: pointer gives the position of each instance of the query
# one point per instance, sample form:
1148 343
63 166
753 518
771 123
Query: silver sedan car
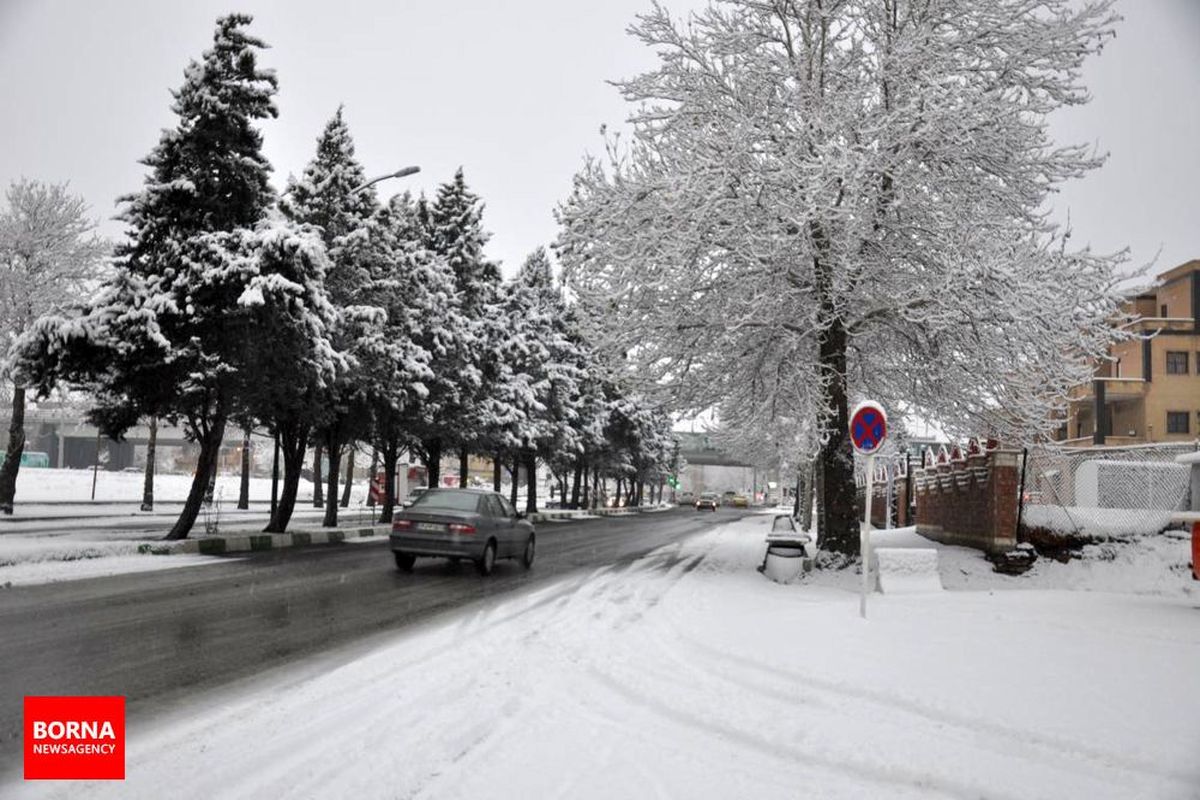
462 523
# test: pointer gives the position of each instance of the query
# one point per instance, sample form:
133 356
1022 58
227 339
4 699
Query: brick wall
969 500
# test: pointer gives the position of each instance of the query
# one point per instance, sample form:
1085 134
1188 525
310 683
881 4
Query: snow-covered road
686 674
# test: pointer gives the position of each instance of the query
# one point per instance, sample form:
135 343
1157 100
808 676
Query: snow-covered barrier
907 570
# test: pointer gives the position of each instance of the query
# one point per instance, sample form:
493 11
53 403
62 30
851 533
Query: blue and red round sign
868 427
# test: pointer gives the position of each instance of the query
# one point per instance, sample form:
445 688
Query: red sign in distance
74 738
868 427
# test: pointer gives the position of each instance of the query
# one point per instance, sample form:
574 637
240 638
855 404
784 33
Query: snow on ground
1096 522
39 485
687 674
1143 564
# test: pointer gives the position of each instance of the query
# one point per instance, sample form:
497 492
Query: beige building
1150 389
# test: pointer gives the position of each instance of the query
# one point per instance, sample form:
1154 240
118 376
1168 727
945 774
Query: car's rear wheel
530 552
487 562
405 561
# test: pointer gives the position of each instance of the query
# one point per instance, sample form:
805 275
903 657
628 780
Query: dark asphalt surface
159 637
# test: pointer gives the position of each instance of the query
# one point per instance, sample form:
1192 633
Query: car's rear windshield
446 501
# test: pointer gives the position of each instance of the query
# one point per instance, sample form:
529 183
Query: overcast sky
514 92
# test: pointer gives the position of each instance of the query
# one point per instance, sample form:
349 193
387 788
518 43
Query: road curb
259 542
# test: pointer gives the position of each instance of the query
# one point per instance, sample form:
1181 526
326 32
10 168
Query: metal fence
1099 492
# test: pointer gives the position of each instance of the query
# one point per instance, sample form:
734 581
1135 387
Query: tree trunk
496 473
837 521
617 496
806 499
244 489
585 486
391 456
275 475
575 481
349 477
594 497
463 471
531 483
516 474
12 455
433 462
206 468
211 490
293 442
148 481
333 451
318 490
371 476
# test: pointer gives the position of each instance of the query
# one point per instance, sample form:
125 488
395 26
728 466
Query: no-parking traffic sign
868 427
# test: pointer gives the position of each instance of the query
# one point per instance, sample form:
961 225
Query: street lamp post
400 173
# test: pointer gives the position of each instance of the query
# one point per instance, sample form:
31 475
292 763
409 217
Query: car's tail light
402 525
456 527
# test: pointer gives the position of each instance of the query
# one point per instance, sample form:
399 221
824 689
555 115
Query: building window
1177 363
1177 422
1164 311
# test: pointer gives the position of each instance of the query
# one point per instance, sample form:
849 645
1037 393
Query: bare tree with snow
49 254
854 190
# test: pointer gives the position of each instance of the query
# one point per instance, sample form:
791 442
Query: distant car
740 501
727 498
478 524
685 498
708 500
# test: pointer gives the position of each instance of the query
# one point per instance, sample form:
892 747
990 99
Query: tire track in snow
1050 748
853 768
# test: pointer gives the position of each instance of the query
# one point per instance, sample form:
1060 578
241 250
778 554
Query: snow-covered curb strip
30 573
557 514
16 550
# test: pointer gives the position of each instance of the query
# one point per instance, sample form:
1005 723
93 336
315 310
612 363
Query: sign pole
865 538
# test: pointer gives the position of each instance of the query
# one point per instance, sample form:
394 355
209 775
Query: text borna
73 729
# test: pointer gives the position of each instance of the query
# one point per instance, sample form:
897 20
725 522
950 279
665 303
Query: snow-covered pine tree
420 339
454 227
162 336
290 371
49 255
543 352
328 196
862 186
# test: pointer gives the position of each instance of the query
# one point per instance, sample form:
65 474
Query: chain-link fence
1099 492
